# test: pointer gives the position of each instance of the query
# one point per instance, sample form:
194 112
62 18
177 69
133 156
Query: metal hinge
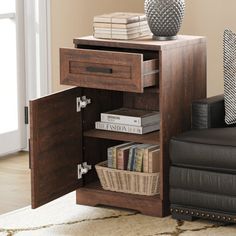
82 102
83 169
26 111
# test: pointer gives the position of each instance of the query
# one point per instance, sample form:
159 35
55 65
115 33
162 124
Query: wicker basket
127 181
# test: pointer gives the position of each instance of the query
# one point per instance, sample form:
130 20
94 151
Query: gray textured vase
164 17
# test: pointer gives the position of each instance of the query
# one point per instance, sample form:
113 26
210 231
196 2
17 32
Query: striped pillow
230 76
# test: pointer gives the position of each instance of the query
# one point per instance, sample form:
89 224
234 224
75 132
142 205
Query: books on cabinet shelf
128 120
130 116
127 128
120 25
134 157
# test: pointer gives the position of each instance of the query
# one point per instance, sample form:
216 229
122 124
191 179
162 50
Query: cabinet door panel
55 146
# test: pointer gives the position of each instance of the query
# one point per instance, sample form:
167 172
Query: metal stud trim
204 214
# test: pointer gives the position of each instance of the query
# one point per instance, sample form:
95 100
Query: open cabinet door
55 146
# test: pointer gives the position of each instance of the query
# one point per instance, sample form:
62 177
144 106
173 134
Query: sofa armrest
208 113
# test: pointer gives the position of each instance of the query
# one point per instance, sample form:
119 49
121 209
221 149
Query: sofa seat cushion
211 149
202 180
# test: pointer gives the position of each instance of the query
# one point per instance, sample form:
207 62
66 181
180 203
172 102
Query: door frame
17 137
20 37
33 66
43 86
38 69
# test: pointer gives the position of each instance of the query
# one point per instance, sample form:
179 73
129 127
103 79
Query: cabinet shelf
150 138
152 90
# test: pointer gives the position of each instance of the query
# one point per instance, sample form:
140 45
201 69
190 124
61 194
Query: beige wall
210 18
73 18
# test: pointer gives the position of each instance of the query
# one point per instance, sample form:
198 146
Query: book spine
145 161
120 31
114 158
125 158
119 119
131 159
135 154
154 161
121 36
119 128
138 160
109 158
120 160
120 26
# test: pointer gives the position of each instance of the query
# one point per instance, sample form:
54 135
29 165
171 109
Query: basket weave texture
128 181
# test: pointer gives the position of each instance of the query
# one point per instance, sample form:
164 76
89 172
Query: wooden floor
14 182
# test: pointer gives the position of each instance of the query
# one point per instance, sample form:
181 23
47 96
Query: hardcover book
123 157
120 17
131 157
112 153
154 161
120 26
127 128
121 36
109 157
113 31
128 116
146 157
138 161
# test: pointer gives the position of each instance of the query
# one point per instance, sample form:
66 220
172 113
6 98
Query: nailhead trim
203 214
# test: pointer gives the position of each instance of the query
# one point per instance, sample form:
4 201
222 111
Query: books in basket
114 152
151 159
138 159
127 128
128 116
123 156
134 157
144 158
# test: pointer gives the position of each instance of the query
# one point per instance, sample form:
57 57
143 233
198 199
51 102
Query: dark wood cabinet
143 74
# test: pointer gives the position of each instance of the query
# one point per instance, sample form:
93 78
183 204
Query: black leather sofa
203 166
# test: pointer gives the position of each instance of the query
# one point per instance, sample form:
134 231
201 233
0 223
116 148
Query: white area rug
64 217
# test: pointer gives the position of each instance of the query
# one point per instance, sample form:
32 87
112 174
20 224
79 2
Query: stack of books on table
134 157
129 120
120 25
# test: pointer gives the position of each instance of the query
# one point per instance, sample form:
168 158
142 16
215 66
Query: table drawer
109 70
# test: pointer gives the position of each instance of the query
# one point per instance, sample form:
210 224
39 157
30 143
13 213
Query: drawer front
102 69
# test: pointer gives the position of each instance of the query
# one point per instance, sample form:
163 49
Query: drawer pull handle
99 70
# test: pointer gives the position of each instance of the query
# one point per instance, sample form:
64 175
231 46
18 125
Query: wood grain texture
94 195
149 100
143 43
56 146
182 80
107 70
